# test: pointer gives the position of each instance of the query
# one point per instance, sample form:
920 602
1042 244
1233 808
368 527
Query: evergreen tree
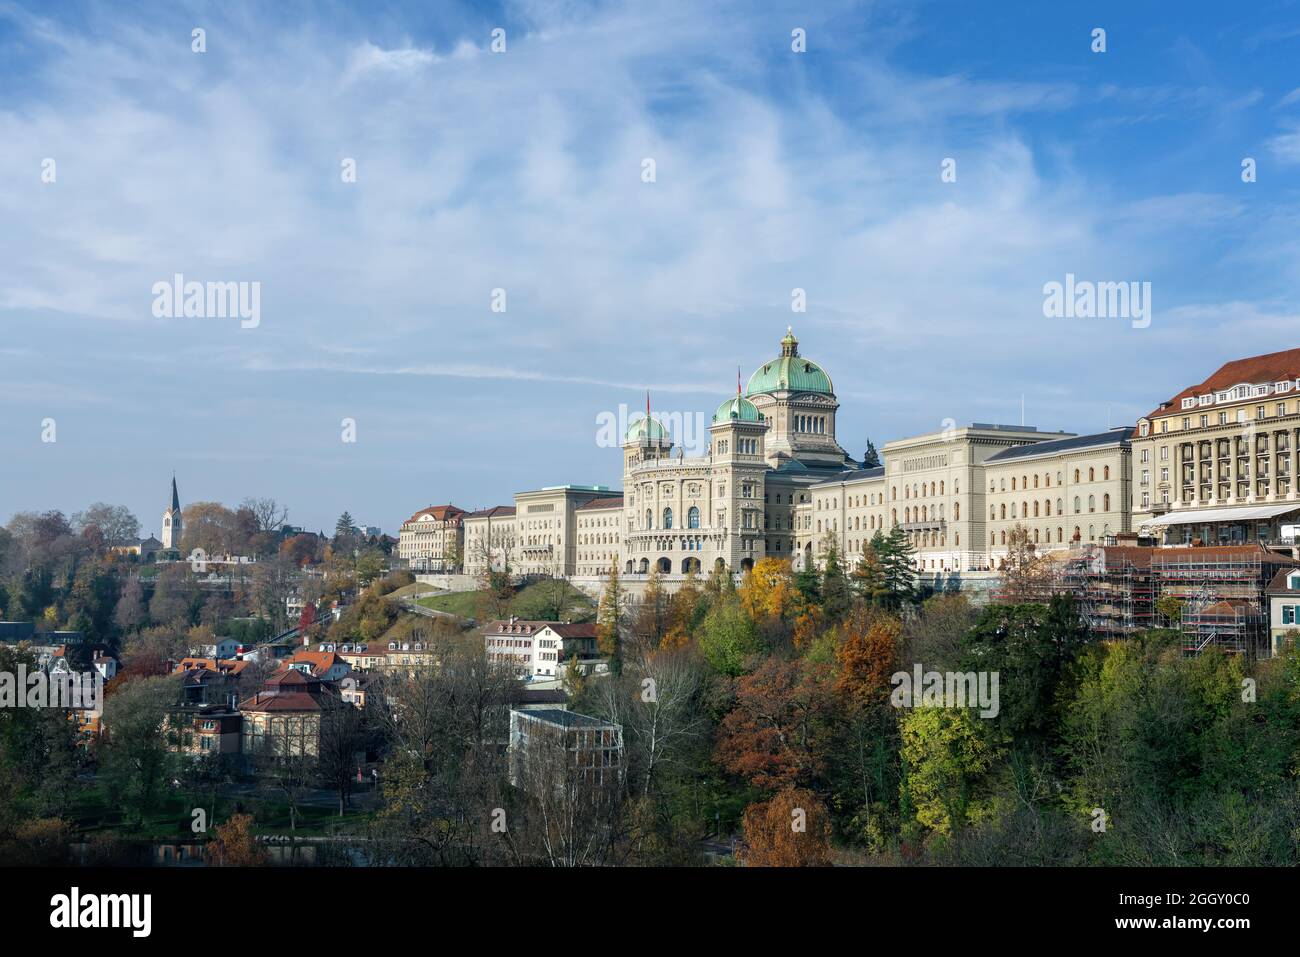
609 618
836 596
869 578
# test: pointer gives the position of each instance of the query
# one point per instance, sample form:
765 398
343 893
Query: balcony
933 525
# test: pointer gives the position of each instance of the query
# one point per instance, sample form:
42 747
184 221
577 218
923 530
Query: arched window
1105 472
993 512
1076 505
1035 511
1092 475
1060 534
1092 503
1035 480
1013 483
668 518
1076 475
1004 510
1047 507
1105 502
693 518
649 519
956 511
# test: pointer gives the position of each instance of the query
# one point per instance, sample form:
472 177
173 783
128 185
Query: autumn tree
790 830
775 734
1026 575
767 590
235 844
651 616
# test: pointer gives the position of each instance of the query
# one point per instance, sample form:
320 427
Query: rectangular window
1288 614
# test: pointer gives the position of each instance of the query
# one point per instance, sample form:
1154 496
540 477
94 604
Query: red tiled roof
585 630
439 512
224 665
1278 584
321 661
1142 556
1256 370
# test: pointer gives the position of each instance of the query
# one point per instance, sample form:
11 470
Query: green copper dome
790 371
646 428
737 407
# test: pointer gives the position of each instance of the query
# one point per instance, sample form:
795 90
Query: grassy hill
530 602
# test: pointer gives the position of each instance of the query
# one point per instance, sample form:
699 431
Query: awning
1211 516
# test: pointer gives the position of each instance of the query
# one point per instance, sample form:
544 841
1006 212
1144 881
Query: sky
524 171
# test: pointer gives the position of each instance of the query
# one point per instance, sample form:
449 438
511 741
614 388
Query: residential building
205 729
1283 607
540 649
432 540
283 719
324 663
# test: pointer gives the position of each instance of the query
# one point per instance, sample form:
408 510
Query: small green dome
737 407
646 428
790 372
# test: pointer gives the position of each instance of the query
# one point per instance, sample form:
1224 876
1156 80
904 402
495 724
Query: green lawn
410 591
530 603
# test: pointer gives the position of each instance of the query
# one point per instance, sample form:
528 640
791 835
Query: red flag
737 380
647 408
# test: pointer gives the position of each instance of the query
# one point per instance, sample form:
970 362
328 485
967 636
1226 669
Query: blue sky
522 171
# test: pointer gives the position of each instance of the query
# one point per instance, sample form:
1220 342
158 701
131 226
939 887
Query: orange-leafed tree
866 657
235 845
776 734
790 830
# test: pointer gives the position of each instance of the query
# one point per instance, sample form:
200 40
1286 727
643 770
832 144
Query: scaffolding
1113 588
1222 588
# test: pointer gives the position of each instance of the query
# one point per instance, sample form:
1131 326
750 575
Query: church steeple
171 520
